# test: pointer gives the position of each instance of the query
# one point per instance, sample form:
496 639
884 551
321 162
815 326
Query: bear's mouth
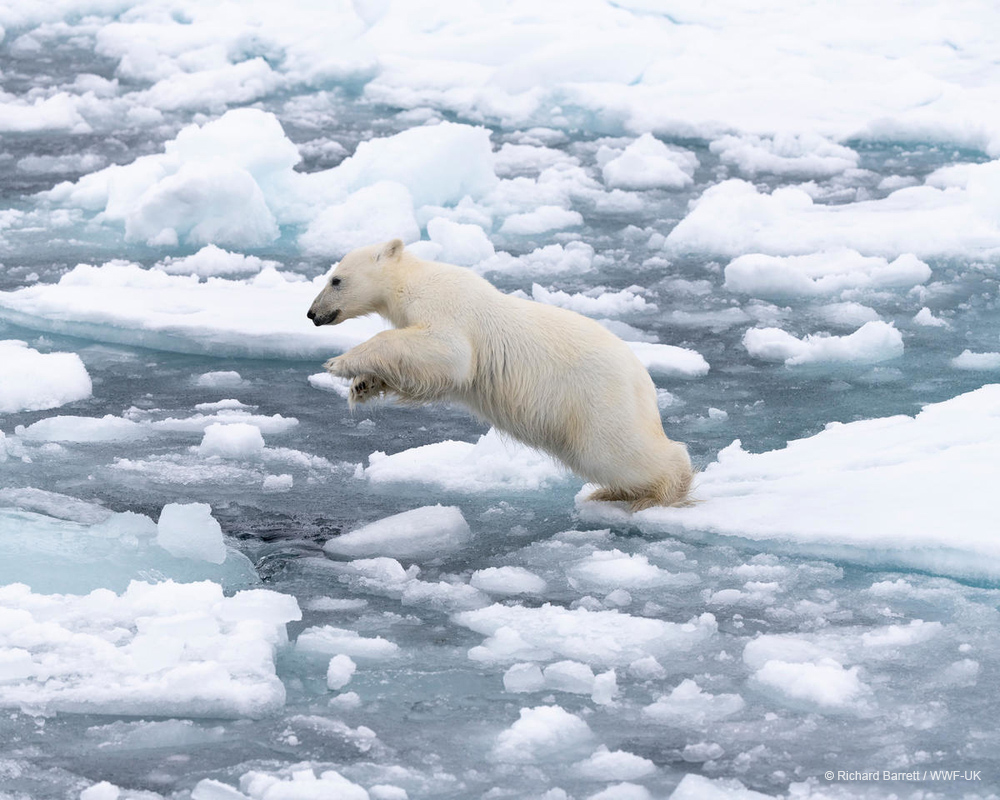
326 320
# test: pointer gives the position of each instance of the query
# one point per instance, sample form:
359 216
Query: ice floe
868 491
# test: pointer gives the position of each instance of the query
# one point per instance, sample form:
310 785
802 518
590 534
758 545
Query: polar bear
549 377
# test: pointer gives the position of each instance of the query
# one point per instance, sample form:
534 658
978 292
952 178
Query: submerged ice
218 581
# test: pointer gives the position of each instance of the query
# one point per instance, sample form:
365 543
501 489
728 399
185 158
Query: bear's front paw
339 366
364 388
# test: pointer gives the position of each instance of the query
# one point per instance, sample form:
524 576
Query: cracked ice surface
217 581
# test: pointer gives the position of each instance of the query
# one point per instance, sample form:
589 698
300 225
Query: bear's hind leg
609 495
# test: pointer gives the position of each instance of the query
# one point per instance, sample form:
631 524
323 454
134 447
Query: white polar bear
551 378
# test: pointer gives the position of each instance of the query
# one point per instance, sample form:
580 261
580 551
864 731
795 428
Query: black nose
311 314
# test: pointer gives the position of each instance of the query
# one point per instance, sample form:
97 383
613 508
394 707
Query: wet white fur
549 377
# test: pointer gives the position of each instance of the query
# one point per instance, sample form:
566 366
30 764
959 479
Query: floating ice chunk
824 685
108 428
278 483
65 164
507 580
226 379
188 530
543 734
617 765
872 343
425 531
605 638
541 220
648 163
520 678
95 548
688 705
879 483
849 314
553 259
328 640
54 504
668 360
732 218
375 213
32 381
514 159
622 791
605 304
801 155
123 303
829 273
326 382
463 244
233 440
698 787
163 649
298 782
339 672
976 361
927 319
212 260
58 112
200 204
610 569
438 164
490 464
101 791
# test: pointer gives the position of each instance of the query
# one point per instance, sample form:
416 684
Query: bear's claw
364 388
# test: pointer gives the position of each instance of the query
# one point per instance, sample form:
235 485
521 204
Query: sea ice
490 464
165 649
420 533
872 343
97 548
33 381
239 440
647 163
602 638
120 302
867 491
670 360
732 218
543 734
817 274
188 530
800 155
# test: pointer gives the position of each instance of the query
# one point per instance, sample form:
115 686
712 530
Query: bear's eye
335 281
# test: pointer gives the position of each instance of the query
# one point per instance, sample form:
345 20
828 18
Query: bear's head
357 286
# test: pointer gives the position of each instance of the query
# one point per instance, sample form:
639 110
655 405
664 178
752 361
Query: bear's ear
391 250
